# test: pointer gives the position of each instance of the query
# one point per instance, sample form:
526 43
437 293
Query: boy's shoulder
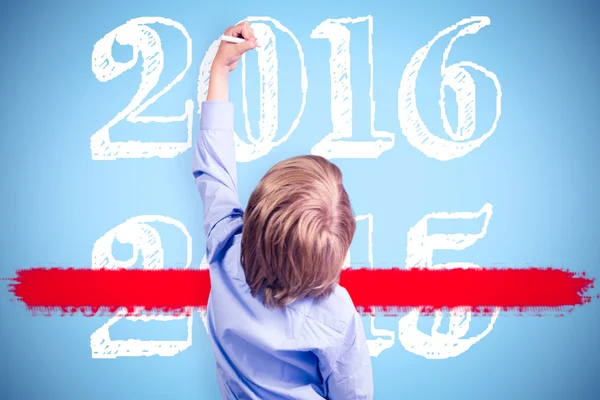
333 313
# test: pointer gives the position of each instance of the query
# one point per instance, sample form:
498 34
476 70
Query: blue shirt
308 350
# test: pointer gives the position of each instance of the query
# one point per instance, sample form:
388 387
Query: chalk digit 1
255 148
419 250
456 77
336 143
145 240
145 42
384 339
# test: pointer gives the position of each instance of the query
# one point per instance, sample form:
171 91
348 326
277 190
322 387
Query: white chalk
232 39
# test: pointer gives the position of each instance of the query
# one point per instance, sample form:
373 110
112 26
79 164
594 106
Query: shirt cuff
217 116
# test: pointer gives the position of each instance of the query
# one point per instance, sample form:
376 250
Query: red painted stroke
69 290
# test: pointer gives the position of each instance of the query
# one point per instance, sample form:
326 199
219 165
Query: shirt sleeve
349 372
214 168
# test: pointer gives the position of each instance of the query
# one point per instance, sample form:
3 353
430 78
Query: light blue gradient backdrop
539 170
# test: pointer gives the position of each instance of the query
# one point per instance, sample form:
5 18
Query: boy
280 325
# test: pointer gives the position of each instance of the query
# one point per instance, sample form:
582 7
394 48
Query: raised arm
214 164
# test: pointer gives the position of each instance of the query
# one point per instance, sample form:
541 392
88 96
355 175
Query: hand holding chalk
232 39
242 39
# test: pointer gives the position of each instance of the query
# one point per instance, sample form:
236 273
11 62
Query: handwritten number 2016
146 44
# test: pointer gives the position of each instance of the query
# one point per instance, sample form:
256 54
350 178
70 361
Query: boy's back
270 341
265 353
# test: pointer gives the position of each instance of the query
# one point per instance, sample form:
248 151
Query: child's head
298 227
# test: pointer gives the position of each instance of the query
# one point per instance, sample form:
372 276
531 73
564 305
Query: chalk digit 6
145 41
458 79
334 144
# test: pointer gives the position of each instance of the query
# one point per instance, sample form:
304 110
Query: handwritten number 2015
146 44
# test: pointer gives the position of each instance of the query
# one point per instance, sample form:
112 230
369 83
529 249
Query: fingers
241 30
249 44
230 31
247 31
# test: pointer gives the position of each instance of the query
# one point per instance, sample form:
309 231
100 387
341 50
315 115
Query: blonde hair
298 227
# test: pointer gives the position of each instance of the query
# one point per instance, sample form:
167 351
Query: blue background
539 170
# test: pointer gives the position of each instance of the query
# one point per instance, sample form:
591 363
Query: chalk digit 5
419 250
